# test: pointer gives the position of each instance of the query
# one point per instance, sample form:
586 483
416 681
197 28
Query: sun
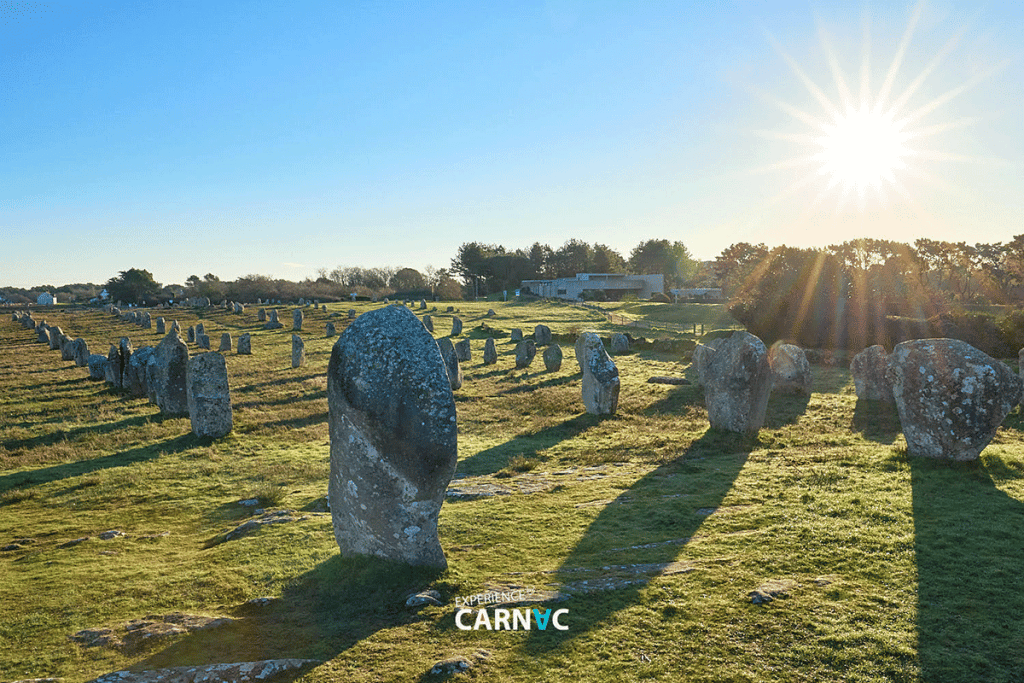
862 148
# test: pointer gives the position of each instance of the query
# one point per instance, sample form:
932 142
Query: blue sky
277 138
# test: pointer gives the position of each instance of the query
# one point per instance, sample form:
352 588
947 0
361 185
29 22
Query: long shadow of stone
677 400
45 475
59 435
649 523
492 459
319 615
784 409
534 386
969 543
876 420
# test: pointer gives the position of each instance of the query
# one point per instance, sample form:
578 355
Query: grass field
653 528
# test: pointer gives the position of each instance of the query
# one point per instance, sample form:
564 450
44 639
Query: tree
671 259
408 280
540 256
572 257
448 288
604 259
469 263
133 285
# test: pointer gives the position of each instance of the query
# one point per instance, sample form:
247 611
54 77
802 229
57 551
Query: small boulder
791 373
553 358
869 374
451 362
462 351
542 335
490 352
525 352
619 343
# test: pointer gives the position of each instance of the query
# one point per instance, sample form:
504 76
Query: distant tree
540 256
447 288
507 271
133 286
671 259
408 280
469 263
573 257
604 259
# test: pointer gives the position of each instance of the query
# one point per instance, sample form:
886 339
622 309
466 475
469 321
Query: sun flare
862 148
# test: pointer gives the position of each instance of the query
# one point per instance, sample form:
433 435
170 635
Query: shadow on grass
60 435
534 386
676 400
45 475
876 421
647 523
784 409
490 460
969 542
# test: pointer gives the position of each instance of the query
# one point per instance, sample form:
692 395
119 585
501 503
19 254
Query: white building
612 284
46 299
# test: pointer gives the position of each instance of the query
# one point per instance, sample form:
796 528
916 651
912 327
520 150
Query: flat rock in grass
263 670
253 525
451 666
791 373
427 597
393 438
869 379
950 396
600 386
169 373
209 399
111 535
660 379
72 543
451 362
553 358
772 590
737 384
490 352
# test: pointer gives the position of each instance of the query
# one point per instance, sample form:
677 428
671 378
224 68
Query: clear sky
279 137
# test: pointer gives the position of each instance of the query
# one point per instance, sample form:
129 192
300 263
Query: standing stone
456 326
176 328
491 313
245 345
451 362
950 396
423 304
298 351
192 334
351 314
553 358
161 325
525 351
81 349
600 390
450 309
55 334
702 356
135 380
203 341
517 334
43 334
200 329
737 384
428 323
225 342
272 322
114 372
619 343
329 329
67 348
462 351
151 382
791 373
869 374
97 366
393 438
209 401
171 365
261 315
147 321
124 349
297 316
542 335
490 352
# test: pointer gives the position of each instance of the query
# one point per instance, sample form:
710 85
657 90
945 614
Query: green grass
898 569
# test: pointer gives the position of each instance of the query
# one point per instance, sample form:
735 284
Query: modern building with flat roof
612 284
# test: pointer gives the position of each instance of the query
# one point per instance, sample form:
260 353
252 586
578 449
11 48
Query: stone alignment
393 438
81 352
209 400
136 381
951 397
737 384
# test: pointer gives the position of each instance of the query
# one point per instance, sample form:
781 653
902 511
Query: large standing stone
147 320
135 379
517 334
869 379
553 358
600 390
97 366
525 351
462 350
702 355
200 329
245 345
297 316
225 342
203 341
791 373
423 304
542 335
67 348
491 313
329 329
619 343
272 322
428 323
113 369
124 348
171 365
192 334
298 351
737 384
43 334
81 352
451 362
456 326
161 325
393 438
176 328
490 352
55 334
261 315
209 401
951 397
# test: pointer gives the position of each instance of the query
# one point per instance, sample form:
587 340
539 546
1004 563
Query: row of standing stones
951 398
393 423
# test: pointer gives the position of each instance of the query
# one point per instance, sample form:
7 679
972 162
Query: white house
613 284
46 299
